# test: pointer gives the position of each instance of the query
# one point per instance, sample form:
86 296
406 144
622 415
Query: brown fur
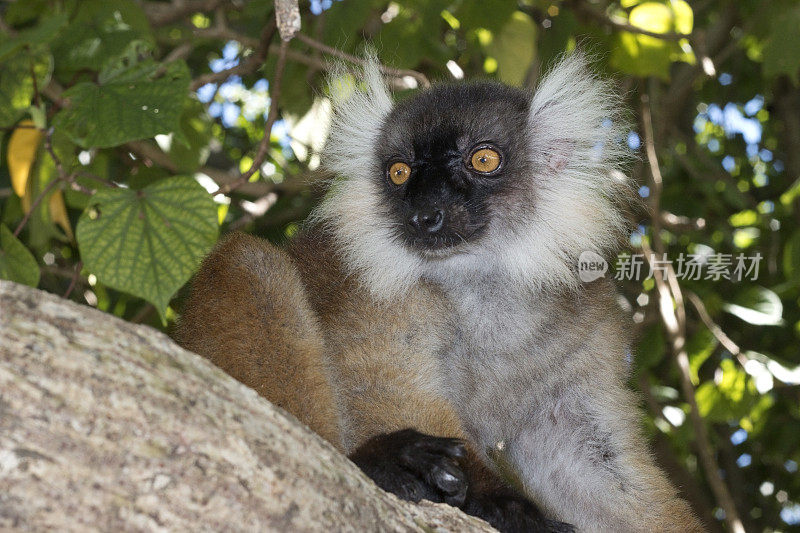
307 338
247 312
294 327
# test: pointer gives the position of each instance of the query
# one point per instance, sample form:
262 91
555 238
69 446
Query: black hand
415 466
510 512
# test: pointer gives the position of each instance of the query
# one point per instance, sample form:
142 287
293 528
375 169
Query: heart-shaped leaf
148 242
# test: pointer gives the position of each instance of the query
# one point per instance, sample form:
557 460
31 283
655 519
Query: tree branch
389 71
248 66
263 147
674 319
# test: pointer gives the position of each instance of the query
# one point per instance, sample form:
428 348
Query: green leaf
782 50
196 128
148 242
757 305
44 32
20 13
102 31
16 262
555 40
651 348
700 346
791 258
682 16
112 114
474 15
733 398
514 48
406 29
644 55
343 22
16 83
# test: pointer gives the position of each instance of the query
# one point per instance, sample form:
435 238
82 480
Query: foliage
129 128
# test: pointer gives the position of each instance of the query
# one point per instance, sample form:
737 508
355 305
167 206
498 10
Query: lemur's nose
427 221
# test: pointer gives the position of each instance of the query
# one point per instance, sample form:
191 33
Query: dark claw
415 466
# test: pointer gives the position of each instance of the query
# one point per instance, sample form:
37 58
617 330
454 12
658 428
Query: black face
447 155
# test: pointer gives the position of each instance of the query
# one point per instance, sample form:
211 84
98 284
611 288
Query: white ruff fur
575 151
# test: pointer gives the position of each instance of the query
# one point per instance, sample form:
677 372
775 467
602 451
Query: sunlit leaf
758 306
699 347
747 217
140 109
16 262
148 242
730 399
514 47
682 16
646 55
16 82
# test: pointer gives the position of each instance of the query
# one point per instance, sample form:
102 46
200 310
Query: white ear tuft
352 212
360 106
578 123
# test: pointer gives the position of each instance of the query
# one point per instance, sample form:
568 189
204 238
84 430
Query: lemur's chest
490 367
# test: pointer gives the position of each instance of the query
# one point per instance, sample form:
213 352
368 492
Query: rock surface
107 425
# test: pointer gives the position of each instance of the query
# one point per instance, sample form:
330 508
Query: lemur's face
474 179
446 159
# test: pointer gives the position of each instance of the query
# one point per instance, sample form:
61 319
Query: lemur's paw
415 466
510 512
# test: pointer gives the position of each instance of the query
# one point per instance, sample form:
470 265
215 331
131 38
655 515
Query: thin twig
62 173
179 52
38 200
74 280
674 319
248 66
714 328
622 25
48 145
310 60
389 71
98 179
263 146
142 314
226 34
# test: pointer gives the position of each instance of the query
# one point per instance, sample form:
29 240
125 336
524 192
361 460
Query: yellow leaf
58 213
683 16
652 16
22 148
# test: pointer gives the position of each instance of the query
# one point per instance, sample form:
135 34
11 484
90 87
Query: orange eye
399 173
485 160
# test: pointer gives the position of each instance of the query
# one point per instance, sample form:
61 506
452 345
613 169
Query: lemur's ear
577 119
360 105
